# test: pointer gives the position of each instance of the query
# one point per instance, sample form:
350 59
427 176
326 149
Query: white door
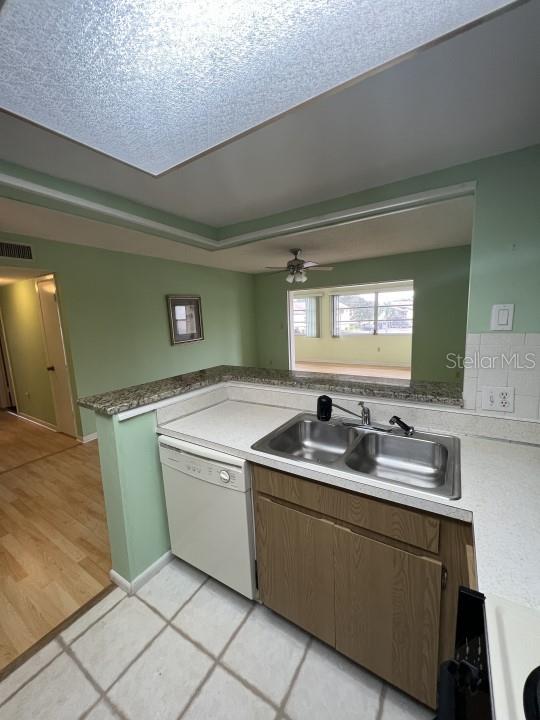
7 394
56 358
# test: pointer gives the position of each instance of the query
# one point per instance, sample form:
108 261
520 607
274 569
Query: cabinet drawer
392 521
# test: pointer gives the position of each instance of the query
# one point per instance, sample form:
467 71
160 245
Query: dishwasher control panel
216 471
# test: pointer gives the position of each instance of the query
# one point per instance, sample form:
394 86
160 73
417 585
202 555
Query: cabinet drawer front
407 526
295 565
387 604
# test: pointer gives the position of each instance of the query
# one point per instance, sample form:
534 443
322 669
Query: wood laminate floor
54 547
385 371
22 441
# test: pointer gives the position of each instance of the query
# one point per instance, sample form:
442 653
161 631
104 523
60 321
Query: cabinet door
295 565
387 612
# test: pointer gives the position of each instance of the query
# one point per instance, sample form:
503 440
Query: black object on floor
531 695
464 684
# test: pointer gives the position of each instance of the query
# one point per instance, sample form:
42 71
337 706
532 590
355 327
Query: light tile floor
187 647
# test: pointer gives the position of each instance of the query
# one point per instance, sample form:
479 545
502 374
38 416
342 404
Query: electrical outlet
499 399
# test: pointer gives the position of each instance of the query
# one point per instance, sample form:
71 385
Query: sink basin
427 462
408 460
313 440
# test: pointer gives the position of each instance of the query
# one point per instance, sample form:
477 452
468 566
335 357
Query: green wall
134 497
115 320
21 314
441 283
505 260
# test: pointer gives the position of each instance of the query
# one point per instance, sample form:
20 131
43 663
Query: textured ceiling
442 224
155 83
471 96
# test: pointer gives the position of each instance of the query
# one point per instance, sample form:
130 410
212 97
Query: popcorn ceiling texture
156 82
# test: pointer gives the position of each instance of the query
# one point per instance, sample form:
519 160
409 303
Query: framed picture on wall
185 318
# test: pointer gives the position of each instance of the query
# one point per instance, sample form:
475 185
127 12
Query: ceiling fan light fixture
296 268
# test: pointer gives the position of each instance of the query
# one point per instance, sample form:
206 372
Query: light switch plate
502 317
499 399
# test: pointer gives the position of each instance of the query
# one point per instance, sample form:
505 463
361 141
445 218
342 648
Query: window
306 316
388 312
354 314
395 312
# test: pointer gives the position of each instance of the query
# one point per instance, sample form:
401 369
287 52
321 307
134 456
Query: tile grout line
63 645
92 624
101 693
103 698
216 660
32 677
153 639
382 697
285 700
253 688
215 664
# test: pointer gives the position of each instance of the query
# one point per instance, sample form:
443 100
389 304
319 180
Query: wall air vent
15 250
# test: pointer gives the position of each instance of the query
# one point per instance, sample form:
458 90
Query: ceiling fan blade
275 268
321 267
310 264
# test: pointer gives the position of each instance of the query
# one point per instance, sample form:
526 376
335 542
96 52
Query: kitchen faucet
324 412
407 429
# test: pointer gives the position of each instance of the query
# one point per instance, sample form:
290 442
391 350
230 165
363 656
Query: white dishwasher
208 498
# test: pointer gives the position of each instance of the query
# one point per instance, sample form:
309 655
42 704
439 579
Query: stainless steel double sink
426 462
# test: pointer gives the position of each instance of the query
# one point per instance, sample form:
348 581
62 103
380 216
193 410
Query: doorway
7 396
34 371
54 544
55 352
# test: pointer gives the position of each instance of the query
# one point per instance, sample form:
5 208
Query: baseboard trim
122 583
36 421
136 584
87 438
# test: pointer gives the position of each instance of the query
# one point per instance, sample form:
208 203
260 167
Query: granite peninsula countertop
117 401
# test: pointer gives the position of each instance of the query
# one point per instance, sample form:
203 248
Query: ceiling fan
297 266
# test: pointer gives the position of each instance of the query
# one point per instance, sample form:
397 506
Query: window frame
317 303
376 320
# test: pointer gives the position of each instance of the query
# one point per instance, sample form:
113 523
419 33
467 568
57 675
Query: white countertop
500 486
514 639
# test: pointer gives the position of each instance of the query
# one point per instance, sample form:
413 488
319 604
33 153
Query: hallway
22 441
54 548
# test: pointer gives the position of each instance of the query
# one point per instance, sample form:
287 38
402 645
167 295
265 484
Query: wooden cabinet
375 580
295 567
387 604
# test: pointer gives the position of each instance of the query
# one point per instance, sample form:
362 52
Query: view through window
386 312
363 330
306 316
